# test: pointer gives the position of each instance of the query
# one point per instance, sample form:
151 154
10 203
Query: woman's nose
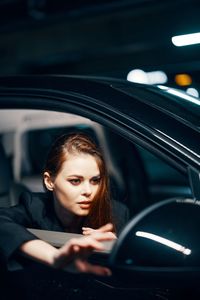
87 188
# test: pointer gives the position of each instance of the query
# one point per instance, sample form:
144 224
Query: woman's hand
105 228
72 256
77 250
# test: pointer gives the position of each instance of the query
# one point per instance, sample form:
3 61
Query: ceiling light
186 39
183 79
138 76
154 77
193 92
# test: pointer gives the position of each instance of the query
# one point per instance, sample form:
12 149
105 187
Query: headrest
5 173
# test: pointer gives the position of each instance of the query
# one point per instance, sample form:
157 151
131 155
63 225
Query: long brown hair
77 143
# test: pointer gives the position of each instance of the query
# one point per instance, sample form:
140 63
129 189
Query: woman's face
76 184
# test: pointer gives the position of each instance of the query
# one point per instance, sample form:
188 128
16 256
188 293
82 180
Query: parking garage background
100 37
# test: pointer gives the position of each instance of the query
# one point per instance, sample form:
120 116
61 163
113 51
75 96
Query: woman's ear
48 182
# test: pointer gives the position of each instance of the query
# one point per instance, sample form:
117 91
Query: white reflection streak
184 96
164 241
175 141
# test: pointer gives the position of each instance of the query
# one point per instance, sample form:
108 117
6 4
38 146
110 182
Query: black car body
163 125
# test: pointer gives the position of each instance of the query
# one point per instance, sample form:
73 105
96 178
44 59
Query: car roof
158 115
172 101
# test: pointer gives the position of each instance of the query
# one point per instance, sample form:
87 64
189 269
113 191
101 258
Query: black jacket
36 210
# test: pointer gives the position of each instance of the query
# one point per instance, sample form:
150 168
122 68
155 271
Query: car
150 138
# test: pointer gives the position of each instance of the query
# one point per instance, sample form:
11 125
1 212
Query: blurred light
192 92
183 79
186 39
139 76
157 77
164 241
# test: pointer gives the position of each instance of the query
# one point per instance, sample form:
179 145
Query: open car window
138 177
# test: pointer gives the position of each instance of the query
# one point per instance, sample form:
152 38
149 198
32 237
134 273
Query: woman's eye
74 181
96 180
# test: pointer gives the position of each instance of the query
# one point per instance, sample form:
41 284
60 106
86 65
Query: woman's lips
85 204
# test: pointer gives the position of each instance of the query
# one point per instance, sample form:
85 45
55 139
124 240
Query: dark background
98 37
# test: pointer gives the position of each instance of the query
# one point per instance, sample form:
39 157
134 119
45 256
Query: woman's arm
75 252
13 232
105 228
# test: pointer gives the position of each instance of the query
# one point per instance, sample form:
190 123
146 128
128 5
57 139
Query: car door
158 153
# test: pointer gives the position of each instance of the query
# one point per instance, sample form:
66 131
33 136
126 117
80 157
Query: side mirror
160 246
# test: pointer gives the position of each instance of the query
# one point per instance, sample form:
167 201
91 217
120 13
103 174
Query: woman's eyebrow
80 176
74 175
96 176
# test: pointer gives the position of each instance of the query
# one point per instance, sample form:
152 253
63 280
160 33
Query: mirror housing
160 246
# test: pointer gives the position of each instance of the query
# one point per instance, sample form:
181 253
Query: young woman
76 200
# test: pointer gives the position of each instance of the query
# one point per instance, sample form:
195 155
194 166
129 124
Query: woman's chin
83 212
